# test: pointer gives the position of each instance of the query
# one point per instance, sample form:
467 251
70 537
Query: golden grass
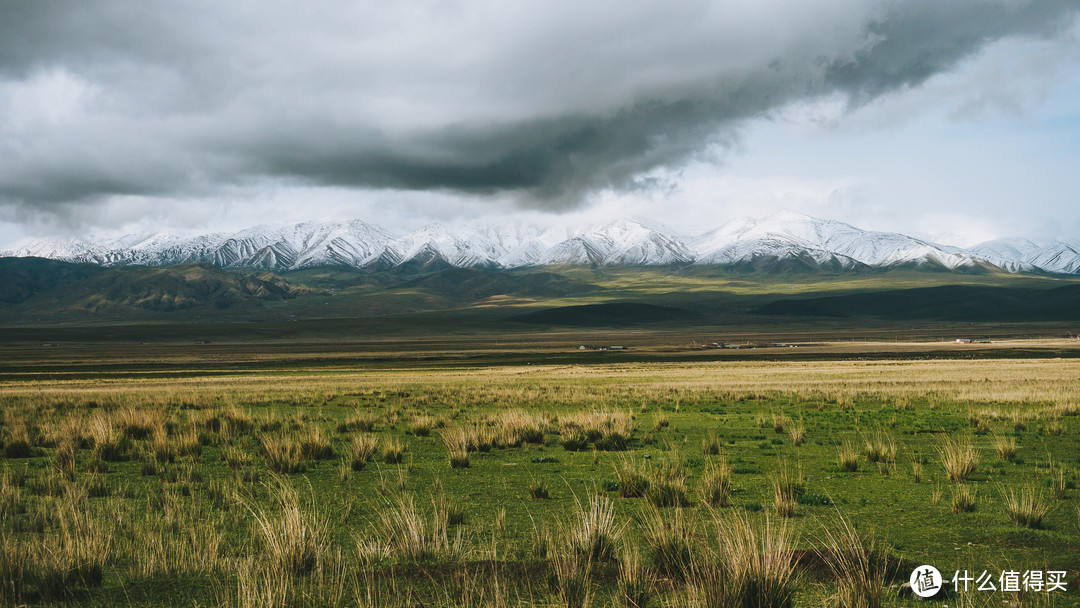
847 457
752 564
858 563
963 499
595 535
716 484
410 536
456 441
880 448
1026 508
1052 382
670 537
363 449
632 480
282 454
959 457
1004 446
636 589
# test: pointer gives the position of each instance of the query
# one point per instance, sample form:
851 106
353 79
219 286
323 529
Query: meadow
613 483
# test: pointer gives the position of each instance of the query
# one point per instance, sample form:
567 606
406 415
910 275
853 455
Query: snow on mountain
623 242
1022 255
781 237
789 235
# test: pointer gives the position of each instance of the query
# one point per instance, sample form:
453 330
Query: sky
955 121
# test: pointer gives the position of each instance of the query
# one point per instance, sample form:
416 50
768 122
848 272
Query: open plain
499 469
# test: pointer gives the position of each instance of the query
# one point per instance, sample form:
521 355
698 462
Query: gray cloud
546 101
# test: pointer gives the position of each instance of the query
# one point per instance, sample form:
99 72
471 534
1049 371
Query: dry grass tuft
963 500
752 565
880 448
847 458
410 537
716 484
669 537
393 451
1027 508
572 574
633 482
788 485
292 538
595 536
358 422
1004 446
859 565
456 441
959 457
282 454
667 484
363 449
635 587
797 434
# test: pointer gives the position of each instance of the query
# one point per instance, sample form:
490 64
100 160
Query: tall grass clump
410 537
963 500
667 483
916 470
457 447
108 443
517 427
633 482
363 448
788 485
610 429
595 535
797 433
282 454
635 587
1059 486
778 423
571 574
574 440
751 566
1027 508
393 451
358 422
959 457
669 538
49 568
859 564
1004 446
316 444
710 445
880 448
847 458
716 484
421 426
291 538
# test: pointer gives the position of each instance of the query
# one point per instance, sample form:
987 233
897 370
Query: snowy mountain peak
782 238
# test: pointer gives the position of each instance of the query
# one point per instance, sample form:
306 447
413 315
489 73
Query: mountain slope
60 288
947 303
784 241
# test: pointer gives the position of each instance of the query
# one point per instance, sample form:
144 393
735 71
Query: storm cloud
542 102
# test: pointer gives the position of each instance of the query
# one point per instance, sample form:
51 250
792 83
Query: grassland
284 474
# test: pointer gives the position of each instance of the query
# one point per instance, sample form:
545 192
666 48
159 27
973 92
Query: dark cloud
545 100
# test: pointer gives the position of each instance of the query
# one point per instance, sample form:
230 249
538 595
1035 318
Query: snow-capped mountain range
780 238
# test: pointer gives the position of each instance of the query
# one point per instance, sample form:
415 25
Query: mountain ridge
784 239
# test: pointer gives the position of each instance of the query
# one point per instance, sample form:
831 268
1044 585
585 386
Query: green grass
270 507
